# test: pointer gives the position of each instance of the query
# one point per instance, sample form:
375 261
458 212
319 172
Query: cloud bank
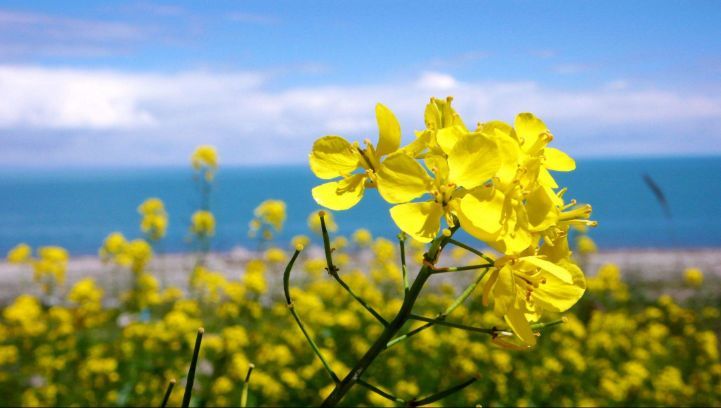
58 117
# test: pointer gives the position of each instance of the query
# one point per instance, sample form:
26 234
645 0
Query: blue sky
89 83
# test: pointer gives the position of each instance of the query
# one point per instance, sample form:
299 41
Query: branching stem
289 302
333 271
442 394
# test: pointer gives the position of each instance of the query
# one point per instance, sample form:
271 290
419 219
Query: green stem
381 392
442 322
191 370
466 293
462 268
538 326
171 384
409 334
342 388
291 307
457 302
360 300
326 243
244 391
404 269
442 394
333 271
470 249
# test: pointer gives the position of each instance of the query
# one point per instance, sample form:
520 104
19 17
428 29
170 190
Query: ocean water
77 208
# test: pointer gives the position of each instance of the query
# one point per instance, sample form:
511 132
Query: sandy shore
173 269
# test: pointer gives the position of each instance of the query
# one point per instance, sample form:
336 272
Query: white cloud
109 117
435 81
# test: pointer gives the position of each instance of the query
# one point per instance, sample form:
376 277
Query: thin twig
461 268
333 271
289 302
440 395
442 322
381 392
244 391
360 300
409 334
191 370
470 249
171 384
404 269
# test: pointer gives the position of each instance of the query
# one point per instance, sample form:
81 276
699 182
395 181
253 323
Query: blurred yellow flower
114 248
362 237
203 223
585 245
275 255
693 277
272 212
155 219
204 156
300 240
21 253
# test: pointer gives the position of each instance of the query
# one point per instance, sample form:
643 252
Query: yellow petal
401 178
518 323
473 160
559 272
545 178
558 160
490 282
557 296
418 145
389 138
333 156
542 213
437 164
340 195
508 148
448 137
480 212
419 220
432 115
504 291
515 238
440 114
529 128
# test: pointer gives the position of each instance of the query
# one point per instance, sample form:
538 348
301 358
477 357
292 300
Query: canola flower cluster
493 182
269 217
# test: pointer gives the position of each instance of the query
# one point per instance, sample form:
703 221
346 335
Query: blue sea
77 208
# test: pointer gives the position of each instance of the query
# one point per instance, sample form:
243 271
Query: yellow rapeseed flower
523 287
155 219
585 245
203 223
21 253
333 157
693 277
362 237
204 156
271 212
